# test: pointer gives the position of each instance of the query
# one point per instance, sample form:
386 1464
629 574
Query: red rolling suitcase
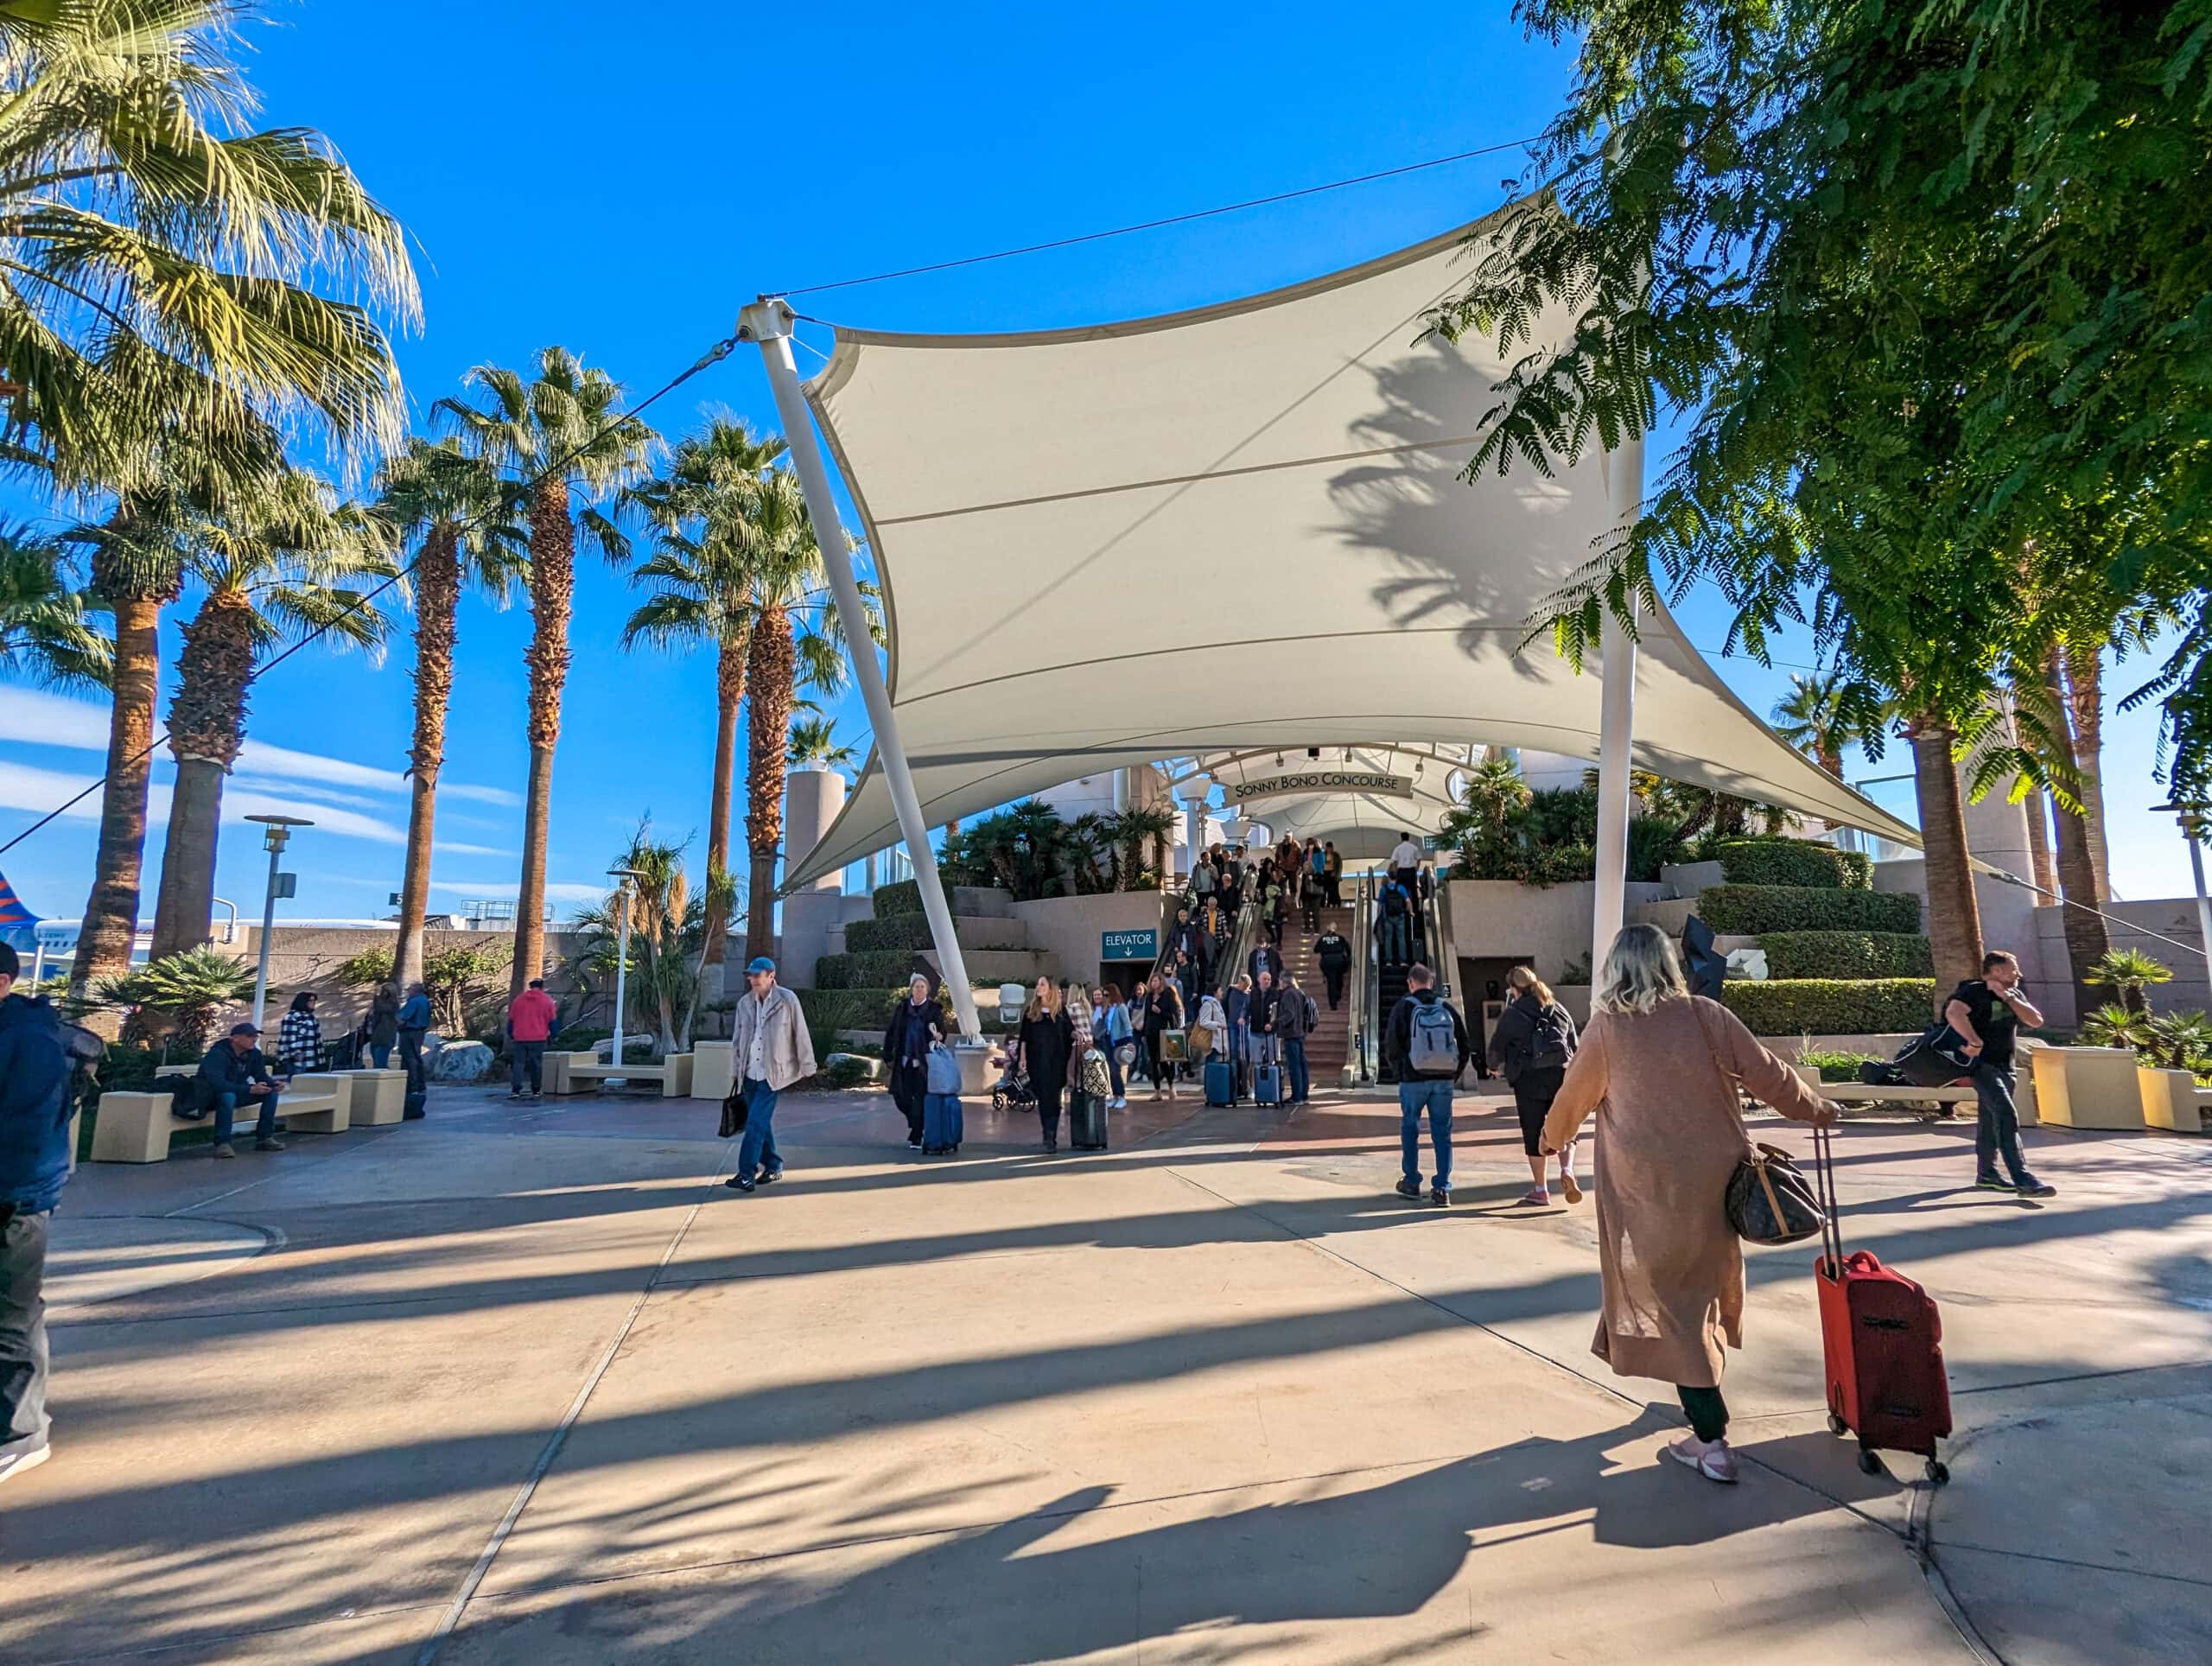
1883 1341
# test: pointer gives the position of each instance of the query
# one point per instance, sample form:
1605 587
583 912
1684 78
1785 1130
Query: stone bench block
2087 1088
132 1127
711 1068
318 1103
2169 1099
376 1097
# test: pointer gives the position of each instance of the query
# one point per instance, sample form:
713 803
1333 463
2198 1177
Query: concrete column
812 798
1997 832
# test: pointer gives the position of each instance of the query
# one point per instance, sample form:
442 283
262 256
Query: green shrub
1834 1064
830 1010
1758 909
899 898
836 1075
877 969
1795 861
907 931
1847 954
1831 1005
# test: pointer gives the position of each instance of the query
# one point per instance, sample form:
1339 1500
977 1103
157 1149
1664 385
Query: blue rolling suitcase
1267 1079
942 1120
1221 1082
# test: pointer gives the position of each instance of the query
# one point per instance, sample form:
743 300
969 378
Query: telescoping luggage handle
1824 1193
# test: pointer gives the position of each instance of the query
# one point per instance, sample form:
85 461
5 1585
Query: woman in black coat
1047 1039
1532 1044
916 1022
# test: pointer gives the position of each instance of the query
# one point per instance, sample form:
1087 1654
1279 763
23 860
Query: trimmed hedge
829 1010
1832 1006
1794 861
1847 954
877 969
899 898
902 931
1741 910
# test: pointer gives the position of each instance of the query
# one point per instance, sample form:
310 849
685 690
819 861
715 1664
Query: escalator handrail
1364 991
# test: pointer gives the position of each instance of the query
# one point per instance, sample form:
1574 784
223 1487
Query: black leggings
1709 1411
909 1082
1048 1110
1532 1097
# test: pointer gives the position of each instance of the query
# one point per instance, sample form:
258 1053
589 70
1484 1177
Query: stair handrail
1436 928
1359 1059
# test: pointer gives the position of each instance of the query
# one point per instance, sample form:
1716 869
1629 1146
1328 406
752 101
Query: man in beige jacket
770 1050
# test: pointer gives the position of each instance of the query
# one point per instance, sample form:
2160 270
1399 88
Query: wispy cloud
445 848
25 787
492 891
39 718
483 795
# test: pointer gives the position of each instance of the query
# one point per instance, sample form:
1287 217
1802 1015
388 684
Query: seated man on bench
233 1074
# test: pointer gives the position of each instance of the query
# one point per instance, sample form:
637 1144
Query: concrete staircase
1330 1044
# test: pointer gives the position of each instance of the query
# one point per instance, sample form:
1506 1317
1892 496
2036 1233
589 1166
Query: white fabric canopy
1236 527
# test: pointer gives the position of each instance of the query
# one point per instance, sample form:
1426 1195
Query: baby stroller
1012 1089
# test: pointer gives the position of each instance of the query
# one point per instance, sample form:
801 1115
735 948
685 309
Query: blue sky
622 191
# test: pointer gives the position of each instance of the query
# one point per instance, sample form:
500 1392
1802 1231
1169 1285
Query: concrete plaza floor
528 1385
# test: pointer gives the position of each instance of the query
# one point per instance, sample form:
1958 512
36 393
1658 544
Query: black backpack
1548 1045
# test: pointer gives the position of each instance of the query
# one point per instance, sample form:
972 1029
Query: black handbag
1937 1056
735 1110
1770 1201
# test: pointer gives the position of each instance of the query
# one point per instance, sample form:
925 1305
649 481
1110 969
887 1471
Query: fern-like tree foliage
1926 286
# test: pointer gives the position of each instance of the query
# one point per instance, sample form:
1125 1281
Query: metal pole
38 957
1623 475
767 322
2191 826
267 924
622 981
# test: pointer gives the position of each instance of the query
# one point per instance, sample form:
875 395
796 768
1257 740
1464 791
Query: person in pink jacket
530 1023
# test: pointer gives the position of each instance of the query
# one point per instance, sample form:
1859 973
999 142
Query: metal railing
1359 1060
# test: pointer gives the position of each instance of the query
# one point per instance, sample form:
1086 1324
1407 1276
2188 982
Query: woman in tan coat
1663 1070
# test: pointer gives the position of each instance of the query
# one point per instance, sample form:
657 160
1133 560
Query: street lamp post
277 832
2193 818
622 877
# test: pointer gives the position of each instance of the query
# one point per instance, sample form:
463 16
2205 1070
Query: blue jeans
227 1112
1396 947
1435 1097
381 1053
756 1149
1997 1130
1294 1062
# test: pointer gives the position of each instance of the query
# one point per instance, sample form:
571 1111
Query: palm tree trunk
2085 706
768 677
552 594
2041 870
729 696
207 727
2087 940
437 612
1954 913
111 911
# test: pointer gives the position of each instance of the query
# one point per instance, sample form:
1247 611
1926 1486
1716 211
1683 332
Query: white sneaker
18 1463
1710 1458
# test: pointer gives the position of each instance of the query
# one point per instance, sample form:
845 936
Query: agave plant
185 993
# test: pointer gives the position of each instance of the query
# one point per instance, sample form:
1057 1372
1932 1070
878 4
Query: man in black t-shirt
1988 1013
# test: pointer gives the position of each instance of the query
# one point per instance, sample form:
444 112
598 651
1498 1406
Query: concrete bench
380 1097
579 1073
2088 1087
2171 1099
135 1128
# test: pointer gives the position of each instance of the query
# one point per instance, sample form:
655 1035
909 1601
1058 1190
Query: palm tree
1814 718
700 508
454 504
2088 942
288 563
171 273
814 745
188 990
45 633
2131 972
794 635
562 432
161 253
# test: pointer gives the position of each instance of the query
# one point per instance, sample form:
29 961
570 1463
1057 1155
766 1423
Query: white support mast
767 322
1624 475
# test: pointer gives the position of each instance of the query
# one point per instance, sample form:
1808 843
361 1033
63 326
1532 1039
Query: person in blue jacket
414 1025
34 1167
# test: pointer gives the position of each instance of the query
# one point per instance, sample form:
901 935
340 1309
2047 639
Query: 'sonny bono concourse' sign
1129 945
1323 780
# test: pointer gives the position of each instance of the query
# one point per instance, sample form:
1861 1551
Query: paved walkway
527 1387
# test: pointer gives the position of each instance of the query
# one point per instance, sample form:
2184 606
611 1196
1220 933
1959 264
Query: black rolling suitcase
1087 1121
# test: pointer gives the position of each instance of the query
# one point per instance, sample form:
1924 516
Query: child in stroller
1012 1089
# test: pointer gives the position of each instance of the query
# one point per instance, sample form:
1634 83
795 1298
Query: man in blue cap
770 1050
33 1166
